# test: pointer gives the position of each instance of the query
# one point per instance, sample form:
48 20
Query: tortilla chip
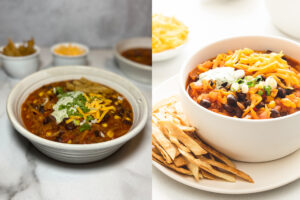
182 137
161 150
164 142
160 159
231 170
207 167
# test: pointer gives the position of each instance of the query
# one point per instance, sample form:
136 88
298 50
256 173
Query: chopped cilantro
268 90
84 127
59 90
260 92
89 118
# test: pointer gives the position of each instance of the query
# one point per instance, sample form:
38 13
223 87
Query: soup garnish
77 112
247 84
25 49
139 55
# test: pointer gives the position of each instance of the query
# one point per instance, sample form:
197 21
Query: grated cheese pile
69 50
167 33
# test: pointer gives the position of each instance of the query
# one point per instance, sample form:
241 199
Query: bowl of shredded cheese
69 53
169 36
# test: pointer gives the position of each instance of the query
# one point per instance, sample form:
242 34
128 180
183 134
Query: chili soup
247 84
77 112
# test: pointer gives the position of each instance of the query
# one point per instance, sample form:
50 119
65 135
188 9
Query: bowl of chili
54 110
134 57
229 116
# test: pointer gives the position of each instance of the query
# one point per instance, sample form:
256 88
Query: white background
208 21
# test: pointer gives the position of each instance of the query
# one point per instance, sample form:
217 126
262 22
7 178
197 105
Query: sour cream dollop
221 75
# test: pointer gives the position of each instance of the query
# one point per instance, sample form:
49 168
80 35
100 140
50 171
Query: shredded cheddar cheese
267 64
167 33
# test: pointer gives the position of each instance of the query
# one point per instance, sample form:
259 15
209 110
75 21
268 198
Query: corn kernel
48 134
117 117
35 101
272 104
116 103
128 119
49 92
104 125
69 141
41 94
110 134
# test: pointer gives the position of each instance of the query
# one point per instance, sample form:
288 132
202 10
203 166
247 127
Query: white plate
267 176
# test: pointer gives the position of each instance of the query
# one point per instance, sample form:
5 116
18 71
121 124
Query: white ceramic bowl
285 15
243 139
134 70
19 67
168 54
76 153
60 60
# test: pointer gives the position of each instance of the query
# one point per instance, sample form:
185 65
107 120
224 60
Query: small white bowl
19 67
60 60
168 54
243 139
76 153
134 70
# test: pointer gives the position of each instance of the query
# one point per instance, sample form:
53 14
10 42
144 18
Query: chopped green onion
240 81
268 90
260 92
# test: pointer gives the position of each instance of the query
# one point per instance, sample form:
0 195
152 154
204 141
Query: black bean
105 118
268 51
238 112
241 96
284 58
205 103
260 105
211 83
41 109
231 100
229 109
70 126
274 113
224 84
281 92
247 103
289 91
97 133
46 120
128 122
59 136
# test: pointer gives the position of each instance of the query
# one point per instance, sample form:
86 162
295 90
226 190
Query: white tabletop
208 21
27 174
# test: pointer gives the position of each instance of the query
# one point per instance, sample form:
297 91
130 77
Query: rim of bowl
118 141
185 64
36 53
127 61
87 50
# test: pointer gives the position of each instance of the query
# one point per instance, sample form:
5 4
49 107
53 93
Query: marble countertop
208 21
27 174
